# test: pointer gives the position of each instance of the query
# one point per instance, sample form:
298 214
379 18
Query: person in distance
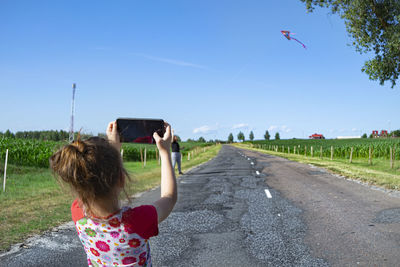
176 153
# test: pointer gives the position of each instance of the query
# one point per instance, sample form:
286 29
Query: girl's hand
113 135
164 143
169 193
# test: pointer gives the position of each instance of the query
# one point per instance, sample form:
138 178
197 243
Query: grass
34 202
379 173
143 179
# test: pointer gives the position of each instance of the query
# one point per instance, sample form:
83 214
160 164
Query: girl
112 235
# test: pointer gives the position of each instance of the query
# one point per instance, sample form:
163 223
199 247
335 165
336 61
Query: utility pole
71 129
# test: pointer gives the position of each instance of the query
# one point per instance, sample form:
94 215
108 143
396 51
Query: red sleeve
143 219
76 211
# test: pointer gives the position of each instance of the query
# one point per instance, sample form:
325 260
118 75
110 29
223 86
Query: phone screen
139 130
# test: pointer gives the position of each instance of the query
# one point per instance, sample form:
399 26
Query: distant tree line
241 136
49 135
203 140
267 136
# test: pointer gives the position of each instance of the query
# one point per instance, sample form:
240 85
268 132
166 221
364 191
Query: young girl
112 235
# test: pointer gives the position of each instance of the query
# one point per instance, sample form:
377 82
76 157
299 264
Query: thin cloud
272 127
171 61
240 126
202 129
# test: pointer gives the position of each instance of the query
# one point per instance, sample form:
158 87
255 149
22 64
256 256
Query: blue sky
207 67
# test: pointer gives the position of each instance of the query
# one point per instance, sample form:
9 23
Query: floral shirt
119 240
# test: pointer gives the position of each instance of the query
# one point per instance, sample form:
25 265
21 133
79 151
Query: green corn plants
342 148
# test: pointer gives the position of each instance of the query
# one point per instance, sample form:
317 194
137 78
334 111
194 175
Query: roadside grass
143 179
379 173
35 202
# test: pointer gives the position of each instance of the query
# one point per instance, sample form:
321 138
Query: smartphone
139 130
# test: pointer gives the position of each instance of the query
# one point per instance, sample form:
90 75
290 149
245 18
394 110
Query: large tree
267 136
230 138
374 26
240 136
251 136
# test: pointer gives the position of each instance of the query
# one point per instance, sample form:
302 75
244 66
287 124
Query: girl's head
175 138
93 168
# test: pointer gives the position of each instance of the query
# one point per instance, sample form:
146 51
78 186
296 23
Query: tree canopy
251 136
267 136
240 136
230 138
374 27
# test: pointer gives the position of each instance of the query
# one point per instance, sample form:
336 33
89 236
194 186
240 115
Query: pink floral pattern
94 252
102 246
114 222
119 246
128 260
134 243
114 234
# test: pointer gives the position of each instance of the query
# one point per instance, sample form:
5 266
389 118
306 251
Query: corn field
36 153
27 152
343 149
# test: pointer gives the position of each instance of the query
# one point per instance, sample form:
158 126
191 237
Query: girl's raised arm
169 194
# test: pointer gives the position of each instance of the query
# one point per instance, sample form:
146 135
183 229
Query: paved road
244 208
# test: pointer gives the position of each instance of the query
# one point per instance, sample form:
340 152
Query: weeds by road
376 174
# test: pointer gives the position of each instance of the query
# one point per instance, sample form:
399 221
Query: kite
289 37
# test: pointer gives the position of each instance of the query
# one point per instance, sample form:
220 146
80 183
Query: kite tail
299 42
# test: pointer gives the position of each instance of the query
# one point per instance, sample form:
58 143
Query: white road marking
252 163
248 158
268 193
257 172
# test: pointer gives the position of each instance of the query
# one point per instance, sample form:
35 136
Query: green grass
35 202
379 173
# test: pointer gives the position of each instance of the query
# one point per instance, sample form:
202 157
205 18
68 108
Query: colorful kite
289 37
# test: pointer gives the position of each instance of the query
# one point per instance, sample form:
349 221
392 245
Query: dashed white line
252 163
257 172
268 193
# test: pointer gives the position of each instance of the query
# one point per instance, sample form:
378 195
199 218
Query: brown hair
92 168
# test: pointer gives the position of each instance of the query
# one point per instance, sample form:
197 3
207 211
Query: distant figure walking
176 153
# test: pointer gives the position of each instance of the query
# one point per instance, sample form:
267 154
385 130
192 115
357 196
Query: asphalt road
244 208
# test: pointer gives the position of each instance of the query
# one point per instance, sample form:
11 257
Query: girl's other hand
164 143
113 136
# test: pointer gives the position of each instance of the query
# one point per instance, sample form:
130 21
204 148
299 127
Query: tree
267 136
395 133
251 136
240 136
230 138
201 139
277 136
374 26
364 135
